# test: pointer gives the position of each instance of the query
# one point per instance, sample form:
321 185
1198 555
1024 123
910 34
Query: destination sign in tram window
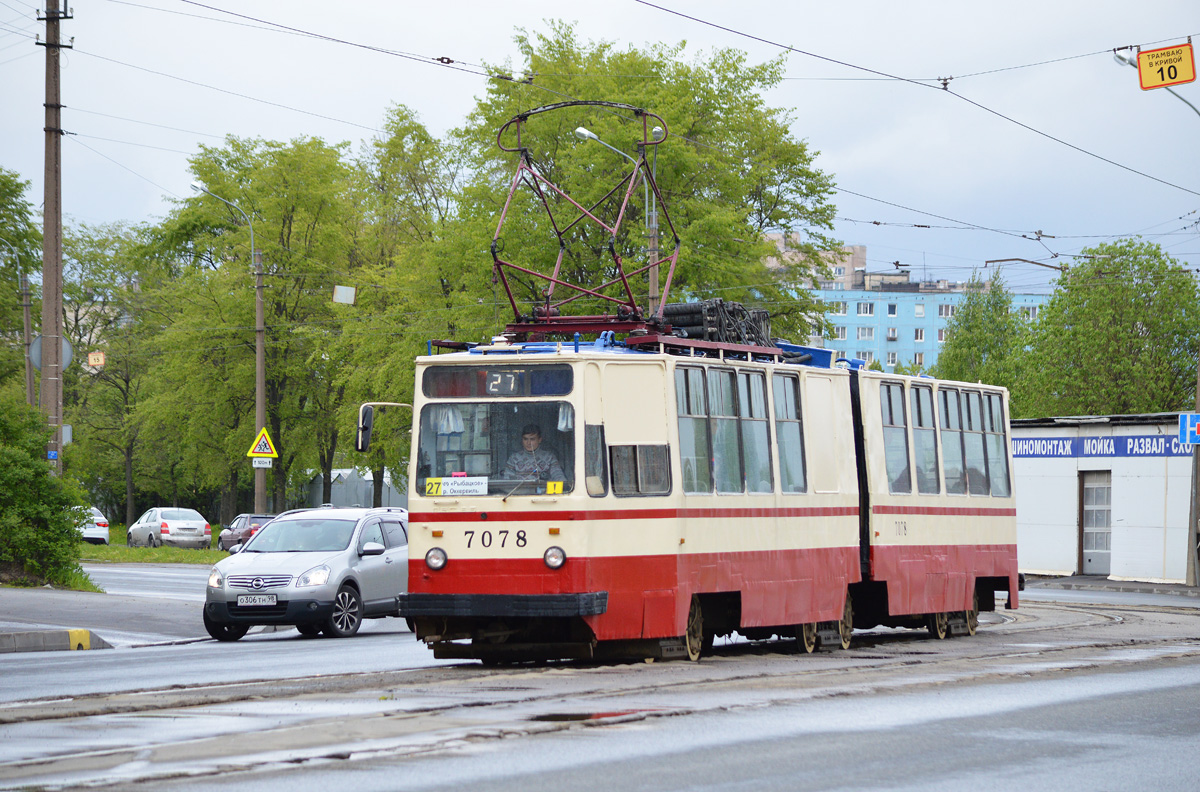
498 381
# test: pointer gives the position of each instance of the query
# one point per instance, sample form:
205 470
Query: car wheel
346 617
129 540
224 632
308 630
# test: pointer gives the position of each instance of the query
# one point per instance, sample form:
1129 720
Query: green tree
38 510
106 276
412 246
984 338
297 196
1119 335
20 252
729 170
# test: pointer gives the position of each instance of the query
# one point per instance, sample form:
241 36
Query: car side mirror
237 548
371 548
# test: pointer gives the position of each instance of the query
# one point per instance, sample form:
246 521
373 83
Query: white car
170 526
319 570
95 528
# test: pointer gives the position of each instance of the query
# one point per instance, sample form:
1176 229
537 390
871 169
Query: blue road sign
1189 428
51 455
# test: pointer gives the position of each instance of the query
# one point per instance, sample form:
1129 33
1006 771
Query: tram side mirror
366 420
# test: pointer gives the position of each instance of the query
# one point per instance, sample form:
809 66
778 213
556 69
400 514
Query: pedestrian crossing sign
263 447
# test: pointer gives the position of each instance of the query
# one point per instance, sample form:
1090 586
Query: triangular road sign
263 447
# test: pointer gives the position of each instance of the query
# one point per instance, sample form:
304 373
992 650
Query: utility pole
652 225
26 304
52 324
1191 568
260 376
260 355
1189 572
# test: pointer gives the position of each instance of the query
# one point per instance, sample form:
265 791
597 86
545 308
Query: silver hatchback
170 526
320 570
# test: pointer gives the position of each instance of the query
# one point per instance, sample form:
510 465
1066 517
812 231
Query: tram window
895 437
973 454
924 440
995 446
952 450
595 461
694 454
789 433
726 448
756 444
478 448
640 470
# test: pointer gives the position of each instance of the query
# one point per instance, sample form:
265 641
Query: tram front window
496 448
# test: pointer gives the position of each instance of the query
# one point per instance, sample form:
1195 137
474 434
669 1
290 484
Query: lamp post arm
245 216
1120 59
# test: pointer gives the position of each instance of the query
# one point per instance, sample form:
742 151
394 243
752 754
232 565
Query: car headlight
214 578
555 557
436 558
317 576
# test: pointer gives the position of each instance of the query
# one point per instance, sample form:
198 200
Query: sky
1040 145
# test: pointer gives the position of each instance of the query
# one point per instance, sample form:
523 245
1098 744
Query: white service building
1102 495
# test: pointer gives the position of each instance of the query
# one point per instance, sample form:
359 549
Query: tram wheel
973 615
938 625
846 623
694 638
806 637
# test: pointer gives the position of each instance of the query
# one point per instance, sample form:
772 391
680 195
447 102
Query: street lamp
586 134
260 360
1120 59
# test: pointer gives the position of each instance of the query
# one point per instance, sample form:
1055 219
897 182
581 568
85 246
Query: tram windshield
505 447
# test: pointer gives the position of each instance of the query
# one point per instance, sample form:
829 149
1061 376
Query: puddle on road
569 717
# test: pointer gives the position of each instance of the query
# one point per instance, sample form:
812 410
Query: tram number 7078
488 538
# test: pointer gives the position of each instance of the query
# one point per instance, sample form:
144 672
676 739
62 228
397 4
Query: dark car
242 528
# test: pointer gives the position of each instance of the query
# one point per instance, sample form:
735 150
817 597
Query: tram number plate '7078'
255 599
499 539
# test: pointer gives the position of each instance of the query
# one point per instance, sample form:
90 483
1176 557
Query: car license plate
255 599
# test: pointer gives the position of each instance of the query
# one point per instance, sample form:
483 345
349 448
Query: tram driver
532 462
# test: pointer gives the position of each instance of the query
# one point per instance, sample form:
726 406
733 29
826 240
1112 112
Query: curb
51 641
1176 591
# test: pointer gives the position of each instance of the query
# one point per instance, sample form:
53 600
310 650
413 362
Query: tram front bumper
592 603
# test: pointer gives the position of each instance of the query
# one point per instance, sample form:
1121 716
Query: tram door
1096 522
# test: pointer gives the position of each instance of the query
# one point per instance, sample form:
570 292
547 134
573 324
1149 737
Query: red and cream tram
600 496
699 496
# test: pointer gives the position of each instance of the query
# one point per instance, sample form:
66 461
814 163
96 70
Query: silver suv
321 570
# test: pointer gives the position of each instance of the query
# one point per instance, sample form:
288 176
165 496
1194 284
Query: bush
39 512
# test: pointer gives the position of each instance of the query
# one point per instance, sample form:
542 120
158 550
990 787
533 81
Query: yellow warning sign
263 447
1159 68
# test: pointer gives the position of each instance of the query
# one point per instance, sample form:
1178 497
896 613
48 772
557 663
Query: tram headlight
555 557
436 558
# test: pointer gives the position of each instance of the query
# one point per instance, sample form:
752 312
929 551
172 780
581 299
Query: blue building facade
906 327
